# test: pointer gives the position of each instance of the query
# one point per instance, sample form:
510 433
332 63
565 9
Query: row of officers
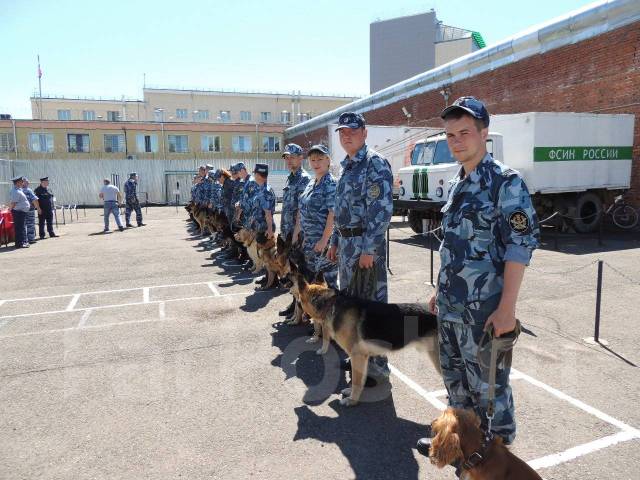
24 202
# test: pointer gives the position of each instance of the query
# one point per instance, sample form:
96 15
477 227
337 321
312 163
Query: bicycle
624 216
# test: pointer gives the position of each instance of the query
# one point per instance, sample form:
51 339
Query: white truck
572 163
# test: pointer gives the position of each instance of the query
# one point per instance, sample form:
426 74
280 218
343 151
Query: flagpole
41 113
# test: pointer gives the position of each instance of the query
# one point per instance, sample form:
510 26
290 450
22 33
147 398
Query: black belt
350 232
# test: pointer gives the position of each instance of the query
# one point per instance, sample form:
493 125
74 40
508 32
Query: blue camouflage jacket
130 187
216 195
296 183
248 192
316 201
364 198
264 199
227 193
488 220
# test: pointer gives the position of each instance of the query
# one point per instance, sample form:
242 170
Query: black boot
289 310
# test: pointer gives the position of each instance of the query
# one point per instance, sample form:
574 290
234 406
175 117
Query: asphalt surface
135 355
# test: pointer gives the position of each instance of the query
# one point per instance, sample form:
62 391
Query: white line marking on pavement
578 404
1 302
213 289
84 318
580 450
73 302
127 305
429 397
145 295
161 310
120 290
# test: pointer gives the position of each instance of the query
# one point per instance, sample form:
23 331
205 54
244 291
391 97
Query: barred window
88 115
41 142
242 143
181 113
178 143
6 142
210 143
78 142
225 116
245 116
265 116
147 143
64 114
270 144
113 116
114 143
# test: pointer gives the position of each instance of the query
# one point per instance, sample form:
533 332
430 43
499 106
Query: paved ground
133 355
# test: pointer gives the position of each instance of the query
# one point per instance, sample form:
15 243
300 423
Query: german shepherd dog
363 328
248 239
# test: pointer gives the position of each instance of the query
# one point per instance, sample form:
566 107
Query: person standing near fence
34 205
489 231
19 205
363 208
112 197
131 200
45 198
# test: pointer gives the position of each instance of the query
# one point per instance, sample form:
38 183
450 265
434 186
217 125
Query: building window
242 143
210 143
113 116
78 142
265 116
200 115
181 113
178 143
64 114
225 116
114 143
146 143
245 116
270 144
304 117
285 117
41 142
6 142
88 115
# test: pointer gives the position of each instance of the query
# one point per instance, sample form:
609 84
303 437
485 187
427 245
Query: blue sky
103 48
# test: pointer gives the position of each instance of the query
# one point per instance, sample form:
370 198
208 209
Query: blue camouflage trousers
131 205
31 225
349 251
466 381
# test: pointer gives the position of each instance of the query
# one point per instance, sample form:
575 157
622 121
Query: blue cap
292 149
261 168
17 179
217 174
350 120
232 168
132 174
319 148
240 166
209 166
472 106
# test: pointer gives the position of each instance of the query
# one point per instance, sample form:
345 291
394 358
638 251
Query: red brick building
587 61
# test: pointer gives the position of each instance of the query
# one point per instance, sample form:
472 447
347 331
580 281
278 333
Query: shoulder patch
519 222
374 191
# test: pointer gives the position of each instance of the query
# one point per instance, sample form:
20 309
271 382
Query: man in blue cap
296 182
490 230
131 200
19 205
363 208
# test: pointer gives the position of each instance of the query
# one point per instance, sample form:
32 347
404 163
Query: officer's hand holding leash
502 320
366 261
320 246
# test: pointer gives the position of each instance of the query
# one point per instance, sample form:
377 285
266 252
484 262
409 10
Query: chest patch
374 191
519 221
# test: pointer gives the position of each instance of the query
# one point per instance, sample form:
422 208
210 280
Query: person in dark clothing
45 197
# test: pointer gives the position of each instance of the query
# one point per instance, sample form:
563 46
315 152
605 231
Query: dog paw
346 392
348 402
313 340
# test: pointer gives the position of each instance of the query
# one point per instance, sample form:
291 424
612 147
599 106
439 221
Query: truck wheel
588 213
415 221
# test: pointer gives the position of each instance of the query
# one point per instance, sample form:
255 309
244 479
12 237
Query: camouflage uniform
216 195
227 193
249 191
487 221
131 201
205 194
296 183
238 189
363 200
264 199
30 219
316 202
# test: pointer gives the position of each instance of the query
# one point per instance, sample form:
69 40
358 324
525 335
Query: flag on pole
39 69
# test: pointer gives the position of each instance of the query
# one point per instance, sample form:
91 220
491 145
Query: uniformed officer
263 206
238 189
45 199
296 183
363 209
19 205
131 200
490 230
315 217
216 191
31 214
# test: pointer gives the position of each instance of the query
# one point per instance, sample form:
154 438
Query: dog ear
319 279
289 238
445 446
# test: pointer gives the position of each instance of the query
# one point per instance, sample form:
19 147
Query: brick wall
600 75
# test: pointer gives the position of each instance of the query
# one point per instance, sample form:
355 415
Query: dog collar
477 457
